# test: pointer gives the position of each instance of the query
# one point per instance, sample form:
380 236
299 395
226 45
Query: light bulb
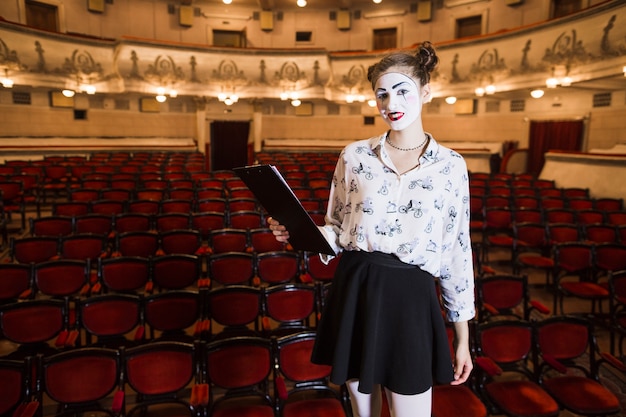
552 82
6 82
538 93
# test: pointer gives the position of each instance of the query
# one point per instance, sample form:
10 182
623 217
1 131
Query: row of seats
515 375
237 376
129 319
63 277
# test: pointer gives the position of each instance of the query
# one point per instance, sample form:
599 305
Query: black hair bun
427 57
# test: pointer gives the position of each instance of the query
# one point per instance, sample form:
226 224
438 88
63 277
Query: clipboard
272 191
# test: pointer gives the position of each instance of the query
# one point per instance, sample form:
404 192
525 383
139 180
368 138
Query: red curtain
564 135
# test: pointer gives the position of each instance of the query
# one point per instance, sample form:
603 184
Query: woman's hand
279 231
462 359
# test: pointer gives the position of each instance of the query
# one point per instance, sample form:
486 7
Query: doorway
229 145
564 135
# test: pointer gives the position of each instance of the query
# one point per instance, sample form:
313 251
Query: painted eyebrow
393 87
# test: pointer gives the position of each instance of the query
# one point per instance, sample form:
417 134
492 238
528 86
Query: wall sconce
538 93
377 1
301 3
479 91
227 1
351 98
228 99
88 88
6 81
161 97
371 102
624 70
559 77
450 99
296 102
68 93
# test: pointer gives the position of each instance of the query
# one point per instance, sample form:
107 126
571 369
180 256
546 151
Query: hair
418 64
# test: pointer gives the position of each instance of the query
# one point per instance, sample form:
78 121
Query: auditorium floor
498 260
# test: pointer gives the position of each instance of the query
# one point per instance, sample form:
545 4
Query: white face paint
398 100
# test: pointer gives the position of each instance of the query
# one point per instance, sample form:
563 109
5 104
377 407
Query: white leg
418 405
364 405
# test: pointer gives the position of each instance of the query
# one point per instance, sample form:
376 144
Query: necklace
406 149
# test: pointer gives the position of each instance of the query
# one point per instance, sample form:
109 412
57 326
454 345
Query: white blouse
421 216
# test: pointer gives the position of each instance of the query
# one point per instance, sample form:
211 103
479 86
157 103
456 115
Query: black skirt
382 324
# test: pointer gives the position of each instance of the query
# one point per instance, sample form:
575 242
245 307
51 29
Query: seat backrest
143 244
290 305
160 368
278 266
235 307
61 277
51 226
229 240
239 364
125 273
15 381
231 268
172 312
33 249
15 279
176 271
34 321
108 316
180 241
80 377
501 295
84 246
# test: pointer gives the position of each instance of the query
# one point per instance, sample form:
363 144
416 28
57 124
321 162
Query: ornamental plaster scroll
9 58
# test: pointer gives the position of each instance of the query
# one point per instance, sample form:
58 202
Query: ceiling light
377 1
490 89
538 93
227 1
552 82
479 91
296 102
68 93
161 98
301 3
451 100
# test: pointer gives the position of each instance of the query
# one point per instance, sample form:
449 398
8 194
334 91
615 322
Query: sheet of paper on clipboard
279 200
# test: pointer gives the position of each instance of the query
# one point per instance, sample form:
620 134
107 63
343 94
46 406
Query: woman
399 211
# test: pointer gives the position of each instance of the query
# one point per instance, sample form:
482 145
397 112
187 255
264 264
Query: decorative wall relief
9 58
290 78
164 71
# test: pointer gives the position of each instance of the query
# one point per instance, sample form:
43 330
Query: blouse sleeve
457 271
336 207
